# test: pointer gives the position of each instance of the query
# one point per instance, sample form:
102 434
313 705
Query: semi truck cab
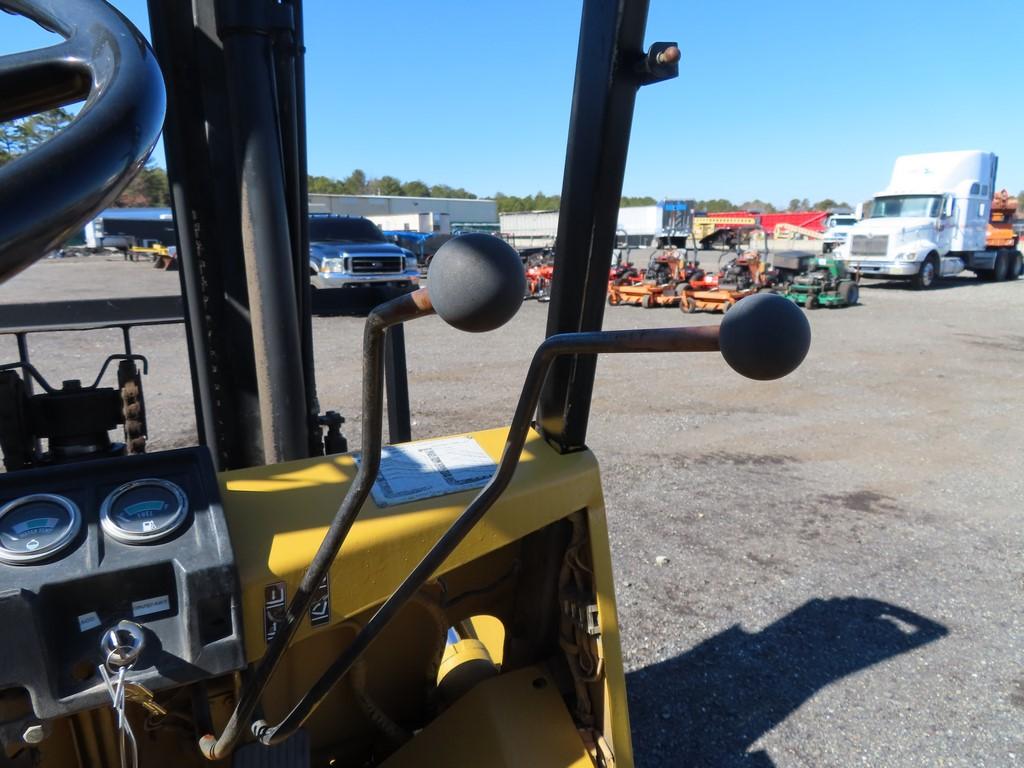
930 222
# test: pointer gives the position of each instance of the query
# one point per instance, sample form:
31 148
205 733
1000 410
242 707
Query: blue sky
774 100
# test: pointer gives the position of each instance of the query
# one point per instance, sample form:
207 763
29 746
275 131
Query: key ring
122 645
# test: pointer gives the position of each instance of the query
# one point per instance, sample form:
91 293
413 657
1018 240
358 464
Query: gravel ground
843 584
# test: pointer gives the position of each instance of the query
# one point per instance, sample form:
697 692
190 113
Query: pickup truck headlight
332 265
410 262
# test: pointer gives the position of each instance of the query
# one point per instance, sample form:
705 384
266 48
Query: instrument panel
36 527
144 511
86 545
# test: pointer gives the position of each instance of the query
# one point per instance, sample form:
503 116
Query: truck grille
376 265
862 245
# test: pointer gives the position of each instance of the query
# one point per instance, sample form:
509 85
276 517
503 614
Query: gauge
144 511
35 527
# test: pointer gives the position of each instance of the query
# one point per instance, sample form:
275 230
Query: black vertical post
23 358
245 29
610 66
197 140
291 90
396 382
126 335
235 111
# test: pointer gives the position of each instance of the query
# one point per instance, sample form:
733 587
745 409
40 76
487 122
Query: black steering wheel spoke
42 79
54 189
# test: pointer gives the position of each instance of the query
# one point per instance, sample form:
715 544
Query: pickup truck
351 252
837 228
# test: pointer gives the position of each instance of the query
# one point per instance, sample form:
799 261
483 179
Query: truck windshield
344 230
905 206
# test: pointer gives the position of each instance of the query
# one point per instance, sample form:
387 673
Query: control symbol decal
320 608
273 608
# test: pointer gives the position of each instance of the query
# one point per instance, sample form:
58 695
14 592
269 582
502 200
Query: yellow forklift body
278 515
515 720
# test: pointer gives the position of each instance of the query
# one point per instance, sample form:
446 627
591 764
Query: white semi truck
931 222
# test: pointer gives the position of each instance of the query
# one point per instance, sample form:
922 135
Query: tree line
357 183
150 189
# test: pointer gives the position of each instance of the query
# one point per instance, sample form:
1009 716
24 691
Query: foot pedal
293 753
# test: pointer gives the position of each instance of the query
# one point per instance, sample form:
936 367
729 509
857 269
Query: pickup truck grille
376 265
862 245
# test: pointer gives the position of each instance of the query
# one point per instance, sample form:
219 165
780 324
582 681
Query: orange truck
1000 233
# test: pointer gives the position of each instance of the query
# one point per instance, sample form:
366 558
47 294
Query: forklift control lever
475 283
767 341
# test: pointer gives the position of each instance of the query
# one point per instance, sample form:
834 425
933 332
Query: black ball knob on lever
476 282
764 337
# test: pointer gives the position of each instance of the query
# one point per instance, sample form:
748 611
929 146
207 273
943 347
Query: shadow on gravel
709 705
938 285
350 302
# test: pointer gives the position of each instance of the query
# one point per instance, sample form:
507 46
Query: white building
638 225
461 214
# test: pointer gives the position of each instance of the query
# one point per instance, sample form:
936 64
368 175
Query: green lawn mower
826 284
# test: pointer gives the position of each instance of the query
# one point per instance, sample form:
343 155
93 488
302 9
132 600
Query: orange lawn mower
538 281
664 273
624 274
740 277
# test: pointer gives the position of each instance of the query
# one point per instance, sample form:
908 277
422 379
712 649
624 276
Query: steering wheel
53 190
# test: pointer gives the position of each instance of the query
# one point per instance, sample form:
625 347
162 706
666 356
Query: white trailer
668 222
431 221
931 222
476 214
530 230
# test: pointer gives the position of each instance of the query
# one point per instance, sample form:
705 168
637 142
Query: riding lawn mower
741 276
827 283
665 271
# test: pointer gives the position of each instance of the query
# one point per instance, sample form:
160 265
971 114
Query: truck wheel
850 292
1001 269
1016 266
645 302
925 277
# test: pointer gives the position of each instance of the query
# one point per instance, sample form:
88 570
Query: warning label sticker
431 468
152 605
